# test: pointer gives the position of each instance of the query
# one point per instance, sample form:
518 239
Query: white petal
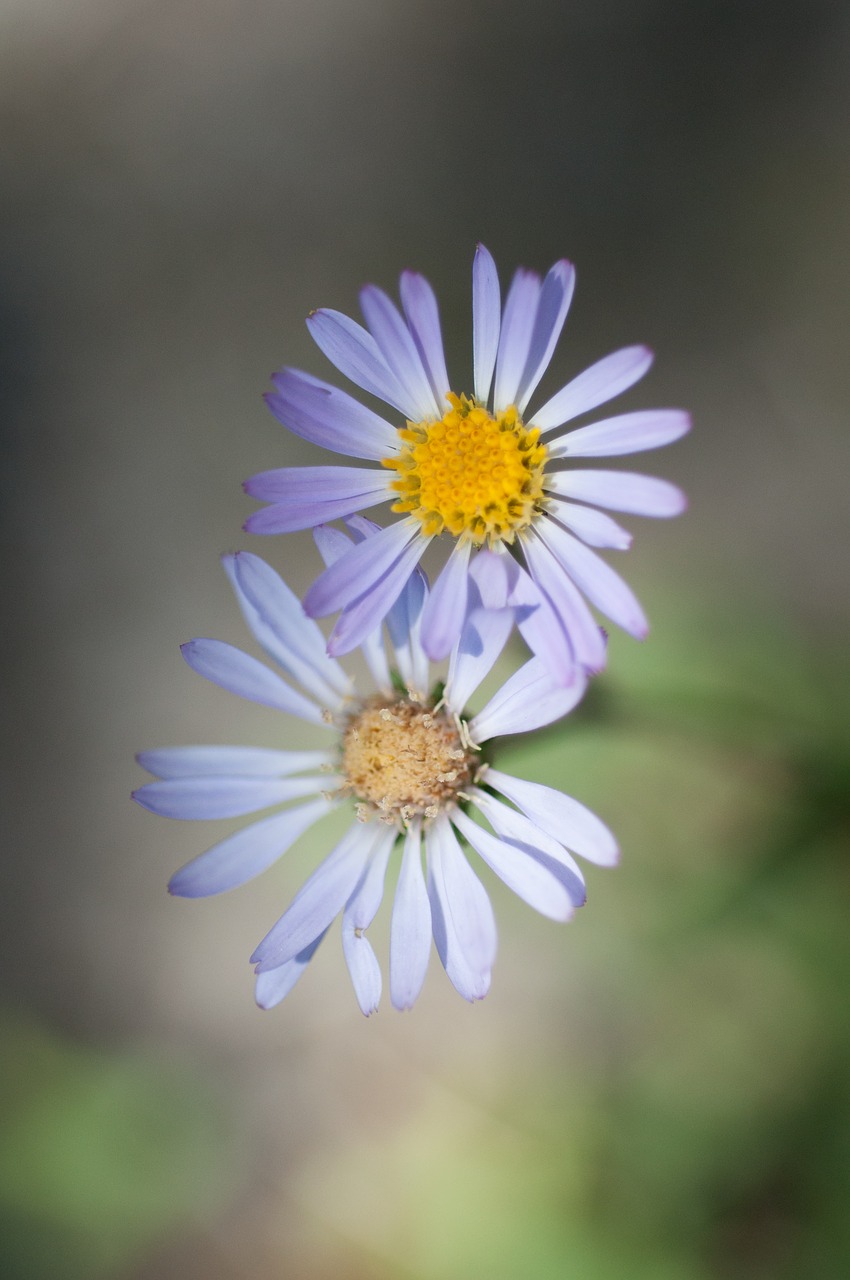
511 825
522 873
461 914
528 700
593 527
565 819
486 307
255 762
603 381
218 796
273 986
620 491
410 937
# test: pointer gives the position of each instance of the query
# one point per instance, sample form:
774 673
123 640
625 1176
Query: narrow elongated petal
248 852
593 527
528 700
319 900
361 569
248 762
461 915
603 381
327 493
222 797
486 321
563 818
423 317
404 623
524 875
489 571
273 986
515 337
358 915
620 491
356 354
360 619
445 609
484 636
628 433
602 586
399 351
239 673
513 826
331 418
585 635
277 620
410 936
332 544
540 627
555 298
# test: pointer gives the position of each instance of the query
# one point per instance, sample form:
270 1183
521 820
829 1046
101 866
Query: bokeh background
660 1089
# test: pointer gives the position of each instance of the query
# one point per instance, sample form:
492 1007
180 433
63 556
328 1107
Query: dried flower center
470 473
402 759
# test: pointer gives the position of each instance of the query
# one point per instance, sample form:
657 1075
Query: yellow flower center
402 759
470 473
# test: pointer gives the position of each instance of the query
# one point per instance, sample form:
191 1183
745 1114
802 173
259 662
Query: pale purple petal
555 298
356 354
239 673
620 491
223 797
603 381
528 878
602 586
274 985
331 418
486 320
461 914
528 700
303 501
585 636
360 619
358 915
628 433
593 527
444 612
563 818
515 338
489 571
484 636
251 762
410 936
515 827
277 620
332 544
363 968
246 853
539 625
423 318
319 900
404 623
362 568
399 351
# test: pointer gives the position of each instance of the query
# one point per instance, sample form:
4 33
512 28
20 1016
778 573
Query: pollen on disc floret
469 473
404 759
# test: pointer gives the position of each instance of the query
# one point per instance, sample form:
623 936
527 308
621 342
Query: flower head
470 465
406 761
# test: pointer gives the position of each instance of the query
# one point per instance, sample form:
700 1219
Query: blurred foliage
100 1154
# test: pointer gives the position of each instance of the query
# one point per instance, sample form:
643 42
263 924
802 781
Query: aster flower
470 467
407 764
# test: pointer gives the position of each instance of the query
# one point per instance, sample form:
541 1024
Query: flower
406 762
471 467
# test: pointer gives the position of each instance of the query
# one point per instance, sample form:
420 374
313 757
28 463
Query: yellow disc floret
402 759
470 474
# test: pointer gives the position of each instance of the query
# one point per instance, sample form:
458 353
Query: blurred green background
659 1089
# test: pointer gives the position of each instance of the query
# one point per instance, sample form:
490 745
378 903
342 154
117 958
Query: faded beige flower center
403 759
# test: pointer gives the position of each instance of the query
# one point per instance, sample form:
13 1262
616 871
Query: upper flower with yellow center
470 474
474 468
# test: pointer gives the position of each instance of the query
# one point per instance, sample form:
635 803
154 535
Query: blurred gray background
182 182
